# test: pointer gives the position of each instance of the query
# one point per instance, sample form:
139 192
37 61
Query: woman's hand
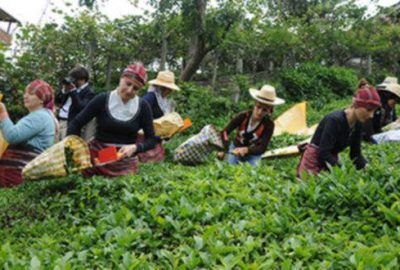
3 111
127 150
240 151
220 155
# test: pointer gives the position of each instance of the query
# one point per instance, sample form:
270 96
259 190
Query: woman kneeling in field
338 130
119 114
157 97
31 135
254 128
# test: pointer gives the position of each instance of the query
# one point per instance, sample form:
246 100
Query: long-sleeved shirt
151 98
74 101
37 129
333 135
382 117
256 139
112 130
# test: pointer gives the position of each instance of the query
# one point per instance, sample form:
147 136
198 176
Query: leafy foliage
170 216
309 80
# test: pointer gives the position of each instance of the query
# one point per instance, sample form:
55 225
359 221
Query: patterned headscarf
366 97
44 92
136 72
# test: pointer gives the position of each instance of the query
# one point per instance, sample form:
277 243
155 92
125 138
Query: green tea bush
316 82
213 216
203 107
378 76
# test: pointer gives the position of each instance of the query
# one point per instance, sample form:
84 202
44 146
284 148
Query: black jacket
79 101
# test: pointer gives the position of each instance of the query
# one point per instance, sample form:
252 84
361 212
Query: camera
67 81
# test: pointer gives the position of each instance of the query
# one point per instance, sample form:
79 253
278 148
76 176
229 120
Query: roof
4 16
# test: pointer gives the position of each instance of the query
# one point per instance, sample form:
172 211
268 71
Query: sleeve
150 98
355 149
232 125
262 145
147 126
60 98
24 130
368 130
377 121
92 110
327 143
80 101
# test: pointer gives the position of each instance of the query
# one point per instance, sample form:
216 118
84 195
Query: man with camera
74 96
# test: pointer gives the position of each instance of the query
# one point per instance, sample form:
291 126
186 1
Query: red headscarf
366 96
136 72
44 92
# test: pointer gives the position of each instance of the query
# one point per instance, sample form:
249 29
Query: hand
220 155
240 151
2 107
127 150
68 87
3 111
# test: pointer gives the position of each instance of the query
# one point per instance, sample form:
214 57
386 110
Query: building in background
7 26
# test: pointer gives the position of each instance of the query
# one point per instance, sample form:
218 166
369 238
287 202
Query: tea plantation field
213 216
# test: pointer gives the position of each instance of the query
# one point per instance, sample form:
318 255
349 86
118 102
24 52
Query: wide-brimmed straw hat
390 85
389 80
266 95
165 79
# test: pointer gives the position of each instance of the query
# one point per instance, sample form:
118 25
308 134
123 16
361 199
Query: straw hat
390 84
266 95
393 88
165 78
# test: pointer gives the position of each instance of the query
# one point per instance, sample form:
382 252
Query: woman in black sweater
157 97
119 114
338 130
389 92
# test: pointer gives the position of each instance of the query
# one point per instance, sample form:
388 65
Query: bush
378 76
203 107
310 81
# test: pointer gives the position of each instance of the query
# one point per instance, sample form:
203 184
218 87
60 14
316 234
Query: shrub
310 81
203 107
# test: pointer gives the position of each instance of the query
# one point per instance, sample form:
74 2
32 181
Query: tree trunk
193 64
197 48
271 67
164 49
369 65
215 72
239 65
108 72
361 63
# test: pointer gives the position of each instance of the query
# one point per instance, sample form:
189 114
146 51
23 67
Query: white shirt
120 110
64 111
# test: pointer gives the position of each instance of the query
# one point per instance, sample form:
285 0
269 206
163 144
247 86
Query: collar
82 87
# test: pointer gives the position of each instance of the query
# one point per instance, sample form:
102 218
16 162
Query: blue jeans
252 159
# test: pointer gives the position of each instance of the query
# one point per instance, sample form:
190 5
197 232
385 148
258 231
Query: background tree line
222 43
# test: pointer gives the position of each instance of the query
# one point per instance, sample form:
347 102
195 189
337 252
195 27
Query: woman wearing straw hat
157 97
119 114
254 128
31 135
389 92
339 130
